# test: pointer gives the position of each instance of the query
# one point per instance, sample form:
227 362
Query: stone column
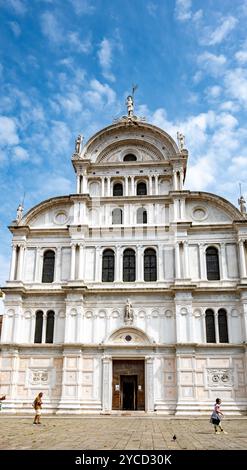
58 265
216 327
117 267
180 180
78 184
175 186
126 181
140 261
203 274
132 185
98 264
186 260
244 318
182 208
108 186
13 394
150 185
37 275
156 185
44 327
102 186
20 263
17 324
107 384
160 263
177 261
13 263
242 262
72 265
223 260
149 384
81 262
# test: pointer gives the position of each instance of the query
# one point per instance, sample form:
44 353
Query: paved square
120 433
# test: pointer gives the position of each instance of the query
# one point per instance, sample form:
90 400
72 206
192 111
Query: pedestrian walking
37 404
216 417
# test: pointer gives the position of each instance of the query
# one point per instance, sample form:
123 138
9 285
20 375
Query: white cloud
212 63
84 46
100 94
20 154
236 84
50 27
183 10
58 140
105 58
213 91
229 106
8 131
241 57
15 27
83 7
18 6
211 38
201 174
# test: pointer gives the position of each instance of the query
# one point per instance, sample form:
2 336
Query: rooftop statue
181 140
78 144
19 213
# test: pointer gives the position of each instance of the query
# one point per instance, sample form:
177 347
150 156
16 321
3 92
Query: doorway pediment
128 336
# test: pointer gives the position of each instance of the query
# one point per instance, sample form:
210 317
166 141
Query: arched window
141 216
38 327
108 266
129 265
118 189
141 189
210 326
117 216
48 266
222 324
150 265
212 260
49 327
129 158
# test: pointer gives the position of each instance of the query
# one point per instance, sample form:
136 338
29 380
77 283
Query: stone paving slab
122 432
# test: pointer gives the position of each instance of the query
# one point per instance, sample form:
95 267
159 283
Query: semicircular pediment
128 336
143 151
105 144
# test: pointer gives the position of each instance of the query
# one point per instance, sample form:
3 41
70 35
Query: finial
241 201
78 144
181 140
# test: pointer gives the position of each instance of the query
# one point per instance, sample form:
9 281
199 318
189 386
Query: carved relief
220 378
39 377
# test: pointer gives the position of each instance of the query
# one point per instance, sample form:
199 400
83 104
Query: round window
128 338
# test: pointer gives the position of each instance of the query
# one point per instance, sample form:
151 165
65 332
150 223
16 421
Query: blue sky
66 67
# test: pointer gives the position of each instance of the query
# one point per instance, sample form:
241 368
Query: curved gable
149 142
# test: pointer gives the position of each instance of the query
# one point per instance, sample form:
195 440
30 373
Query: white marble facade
184 371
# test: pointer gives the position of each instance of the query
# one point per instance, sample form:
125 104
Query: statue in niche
128 312
181 140
78 144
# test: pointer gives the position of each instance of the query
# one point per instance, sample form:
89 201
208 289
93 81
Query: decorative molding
39 377
220 378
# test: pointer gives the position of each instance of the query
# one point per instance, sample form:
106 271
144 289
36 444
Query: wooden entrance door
128 385
128 391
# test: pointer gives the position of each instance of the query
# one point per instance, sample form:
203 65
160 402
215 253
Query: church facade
130 294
